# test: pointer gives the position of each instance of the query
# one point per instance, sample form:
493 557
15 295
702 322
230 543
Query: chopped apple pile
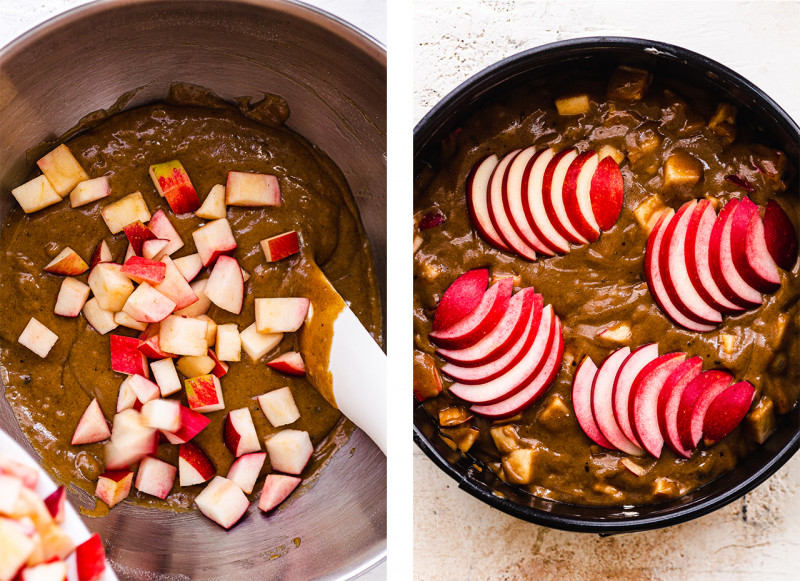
33 546
533 202
502 351
701 266
163 299
637 401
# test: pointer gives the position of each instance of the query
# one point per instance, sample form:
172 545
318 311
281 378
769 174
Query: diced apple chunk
89 191
633 467
289 450
728 343
114 486
99 318
280 315
761 420
123 319
162 414
155 477
214 239
92 427
161 226
203 303
204 394
628 83
617 334
36 194
144 270
647 212
148 305
110 287
505 438
223 502
518 466
195 365
211 331
183 336
608 150
229 344
213 207
154 248
240 433
173 183
252 189
279 247
166 376
426 379
682 169
16 549
279 407
573 105
72 296
189 266
277 488
38 338
68 262
246 469
129 209
225 287
256 344
62 170
101 254
723 122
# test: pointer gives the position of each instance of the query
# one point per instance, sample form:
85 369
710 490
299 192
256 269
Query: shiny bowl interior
334 79
779 131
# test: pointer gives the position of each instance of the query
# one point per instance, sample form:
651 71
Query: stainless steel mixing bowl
334 79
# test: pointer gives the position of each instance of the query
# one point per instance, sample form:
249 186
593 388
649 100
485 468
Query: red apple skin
100 254
290 363
669 399
283 245
477 202
198 459
55 504
582 402
182 199
137 233
126 357
480 321
460 298
514 200
608 193
277 487
623 384
746 211
552 240
780 236
549 206
603 403
497 212
220 367
151 348
571 202
727 410
701 389
192 423
70 265
90 557
143 269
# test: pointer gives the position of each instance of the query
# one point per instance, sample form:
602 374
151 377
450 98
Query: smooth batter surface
49 395
603 283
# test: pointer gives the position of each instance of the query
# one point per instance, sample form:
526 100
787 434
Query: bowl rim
476 87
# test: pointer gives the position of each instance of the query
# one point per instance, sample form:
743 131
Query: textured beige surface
457 536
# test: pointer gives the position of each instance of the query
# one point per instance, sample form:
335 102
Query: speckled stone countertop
457 536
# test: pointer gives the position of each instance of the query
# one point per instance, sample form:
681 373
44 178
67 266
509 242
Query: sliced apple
780 236
204 394
72 296
110 286
694 404
213 240
279 407
194 467
161 226
477 185
577 193
480 321
460 298
68 262
35 195
114 486
514 200
751 258
245 470
38 338
155 477
603 403
277 488
582 402
553 195
223 502
240 433
280 246
289 450
173 183
497 211
607 193
623 385
225 287
669 400
530 393
213 207
727 410
92 427
252 189
125 211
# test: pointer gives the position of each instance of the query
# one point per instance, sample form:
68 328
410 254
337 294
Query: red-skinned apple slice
480 321
518 376
582 402
90 558
460 298
280 246
513 201
172 182
478 201
607 193
655 280
277 488
728 279
577 193
780 236
533 202
240 433
214 239
204 393
500 339
161 226
553 195
497 212
696 399
497 367
726 411
290 363
698 243
68 263
101 254
603 403
674 272
194 467
643 404
225 287
92 427
669 399
521 400
749 249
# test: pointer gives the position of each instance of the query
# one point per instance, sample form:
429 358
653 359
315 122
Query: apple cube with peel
203 303
280 246
130 441
137 234
280 315
223 502
229 344
113 486
89 191
56 504
192 423
219 368
38 338
189 266
204 393
142 270
155 477
195 365
194 467
90 558
161 226
175 287
125 211
213 206
67 262
126 399
110 287
173 183
166 376
277 488
72 296
213 240
225 287
162 414
62 170
151 347
240 433
183 336
99 318
148 305
289 450
279 407
290 363
144 389
252 189
92 427
246 469
101 254
35 195
154 248
126 357
256 344
123 319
